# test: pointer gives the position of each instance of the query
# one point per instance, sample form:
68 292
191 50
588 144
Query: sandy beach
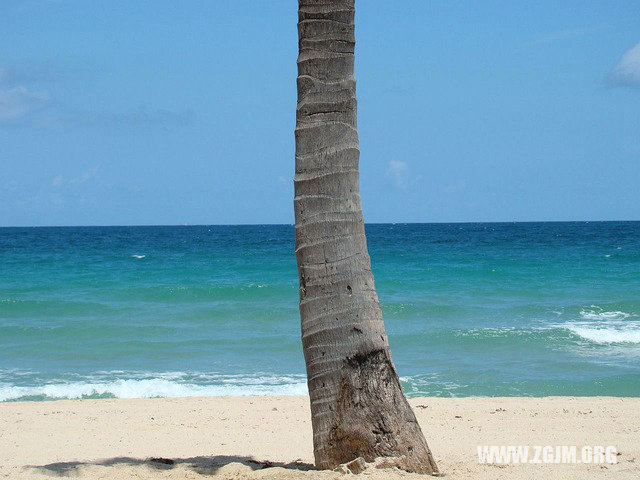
270 437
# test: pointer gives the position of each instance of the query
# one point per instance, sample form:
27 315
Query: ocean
475 309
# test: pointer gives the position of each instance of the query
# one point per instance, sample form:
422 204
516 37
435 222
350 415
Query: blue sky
164 112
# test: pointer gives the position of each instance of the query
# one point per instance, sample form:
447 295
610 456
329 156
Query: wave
601 326
170 384
138 256
606 333
598 313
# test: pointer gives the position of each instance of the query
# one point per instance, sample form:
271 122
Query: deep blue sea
478 309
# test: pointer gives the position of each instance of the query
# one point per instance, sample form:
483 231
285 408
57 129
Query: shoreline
295 395
237 437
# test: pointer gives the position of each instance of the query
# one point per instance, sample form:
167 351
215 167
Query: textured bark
357 405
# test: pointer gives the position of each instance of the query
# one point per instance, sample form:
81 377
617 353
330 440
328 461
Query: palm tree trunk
357 405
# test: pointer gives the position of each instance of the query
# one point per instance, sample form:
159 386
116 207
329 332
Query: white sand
222 436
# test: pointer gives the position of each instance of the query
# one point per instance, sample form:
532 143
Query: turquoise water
471 309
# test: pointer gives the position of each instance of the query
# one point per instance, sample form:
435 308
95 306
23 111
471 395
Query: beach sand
270 437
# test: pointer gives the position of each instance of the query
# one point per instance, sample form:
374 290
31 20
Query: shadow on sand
202 465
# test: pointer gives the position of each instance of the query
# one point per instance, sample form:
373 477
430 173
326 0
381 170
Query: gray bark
357 405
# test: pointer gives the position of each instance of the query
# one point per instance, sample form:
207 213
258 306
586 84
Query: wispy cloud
86 175
398 171
21 99
60 181
627 72
17 100
567 34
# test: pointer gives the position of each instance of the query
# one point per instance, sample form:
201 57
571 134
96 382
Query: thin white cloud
397 171
627 71
20 98
59 180
16 101
85 176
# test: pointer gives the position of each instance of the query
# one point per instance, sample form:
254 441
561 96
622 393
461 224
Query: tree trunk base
373 419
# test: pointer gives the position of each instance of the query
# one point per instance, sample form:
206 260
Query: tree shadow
204 465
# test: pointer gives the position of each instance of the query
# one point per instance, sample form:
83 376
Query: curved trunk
357 405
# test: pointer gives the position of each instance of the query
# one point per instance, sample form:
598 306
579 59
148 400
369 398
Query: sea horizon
464 222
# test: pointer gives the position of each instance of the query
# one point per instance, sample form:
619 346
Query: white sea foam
415 385
162 386
138 256
606 333
596 313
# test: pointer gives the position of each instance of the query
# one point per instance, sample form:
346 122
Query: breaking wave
606 333
171 384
